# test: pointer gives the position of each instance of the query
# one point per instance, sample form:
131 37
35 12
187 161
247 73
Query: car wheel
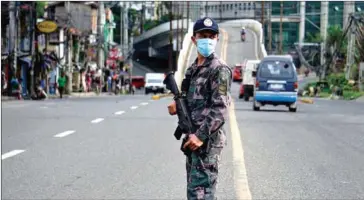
292 109
240 96
246 96
146 91
255 108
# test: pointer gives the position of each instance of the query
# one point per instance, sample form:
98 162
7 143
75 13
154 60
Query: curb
159 96
306 100
66 96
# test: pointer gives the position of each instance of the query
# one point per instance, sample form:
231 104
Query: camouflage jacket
208 94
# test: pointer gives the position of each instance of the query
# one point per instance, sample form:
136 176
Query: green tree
313 38
335 42
40 8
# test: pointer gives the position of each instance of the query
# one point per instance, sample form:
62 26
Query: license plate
276 86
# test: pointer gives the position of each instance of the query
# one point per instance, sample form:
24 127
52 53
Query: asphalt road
122 147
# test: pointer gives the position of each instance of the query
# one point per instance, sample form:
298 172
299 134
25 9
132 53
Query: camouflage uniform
208 98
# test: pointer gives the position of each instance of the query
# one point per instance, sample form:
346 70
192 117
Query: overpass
152 47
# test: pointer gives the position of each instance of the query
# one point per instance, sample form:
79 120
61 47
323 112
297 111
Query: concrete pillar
323 26
302 21
349 7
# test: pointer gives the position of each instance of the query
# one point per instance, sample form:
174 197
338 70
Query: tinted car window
155 81
276 69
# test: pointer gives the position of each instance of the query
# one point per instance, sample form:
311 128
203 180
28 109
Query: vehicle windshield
155 81
276 69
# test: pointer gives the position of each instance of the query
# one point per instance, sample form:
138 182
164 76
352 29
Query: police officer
208 82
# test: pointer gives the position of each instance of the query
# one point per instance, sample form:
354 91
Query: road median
306 100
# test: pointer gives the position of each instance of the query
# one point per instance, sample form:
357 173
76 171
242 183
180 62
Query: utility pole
220 10
33 46
263 9
182 30
177 32
349 9
126 31
302 22
262 20
142 18
206 11
122 36
281 31
350 50
170 53
323 27
188 15
100 52
12 43
69 49
131 63
270 28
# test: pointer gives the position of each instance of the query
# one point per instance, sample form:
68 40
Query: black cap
206 23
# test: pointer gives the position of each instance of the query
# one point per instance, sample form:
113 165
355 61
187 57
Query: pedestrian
207 88
61 84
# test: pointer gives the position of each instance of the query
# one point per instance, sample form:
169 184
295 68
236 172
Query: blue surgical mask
206 46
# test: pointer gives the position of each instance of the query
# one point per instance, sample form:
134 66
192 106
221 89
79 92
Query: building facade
338 13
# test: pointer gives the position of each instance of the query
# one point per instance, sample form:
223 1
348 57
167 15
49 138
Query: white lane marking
11 154
144 104
240 177
64 134
134 107
119 112
98 120
44 107
240 174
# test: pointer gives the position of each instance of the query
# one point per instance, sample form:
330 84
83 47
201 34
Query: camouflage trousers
202 172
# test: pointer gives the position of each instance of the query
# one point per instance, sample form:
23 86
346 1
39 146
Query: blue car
276 83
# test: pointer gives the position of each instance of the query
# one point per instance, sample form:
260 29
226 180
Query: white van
154 83
247 85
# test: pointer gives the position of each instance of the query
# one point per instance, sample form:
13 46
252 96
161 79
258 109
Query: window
276 69
154 81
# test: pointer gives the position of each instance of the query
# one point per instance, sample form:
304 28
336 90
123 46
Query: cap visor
207 29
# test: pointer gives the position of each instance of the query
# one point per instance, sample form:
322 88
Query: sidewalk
73 95
360 99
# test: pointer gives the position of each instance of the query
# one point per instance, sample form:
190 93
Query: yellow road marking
240 176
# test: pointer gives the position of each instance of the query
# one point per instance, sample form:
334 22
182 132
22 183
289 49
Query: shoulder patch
224 80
